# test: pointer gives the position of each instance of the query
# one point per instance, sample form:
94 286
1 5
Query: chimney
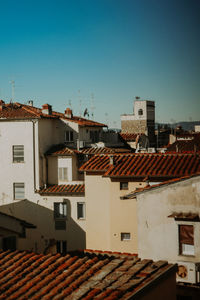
1 105
68 113
112 162
30 102
47 109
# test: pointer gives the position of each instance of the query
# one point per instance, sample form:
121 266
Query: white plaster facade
159 233
37 136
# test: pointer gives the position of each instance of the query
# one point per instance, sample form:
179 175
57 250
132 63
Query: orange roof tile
154 186
61 149
80 275
74 189
145 164
22 111
130 137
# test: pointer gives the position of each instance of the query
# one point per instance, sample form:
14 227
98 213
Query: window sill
187 255
18 162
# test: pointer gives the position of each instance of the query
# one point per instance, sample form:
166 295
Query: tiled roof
191 145
154 186
22 111
74 189
61 149
129 137
185 216
82 275
145 164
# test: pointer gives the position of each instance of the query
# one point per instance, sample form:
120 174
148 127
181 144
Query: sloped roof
22 111
130 137
61 149
82 275
144 164
74 189
190 145
131 195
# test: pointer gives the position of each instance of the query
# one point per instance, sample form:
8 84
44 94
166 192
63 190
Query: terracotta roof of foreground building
149 187
81 275
145 164
74 189
22 111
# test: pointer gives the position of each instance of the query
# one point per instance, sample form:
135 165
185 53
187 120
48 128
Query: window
18 153
61 247
81 210
140 112
18 191
69 136
9 243
186 239
63 174
94 136
60 210
60 215
123 185
125 236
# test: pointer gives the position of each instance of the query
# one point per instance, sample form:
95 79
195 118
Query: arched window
140 112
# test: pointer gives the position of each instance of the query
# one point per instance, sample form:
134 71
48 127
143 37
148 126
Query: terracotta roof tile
154 186
184 146
130 137
82 275
22 111
63 189
142 165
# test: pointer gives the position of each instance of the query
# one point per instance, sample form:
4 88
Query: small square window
125 236
60 224
123 185
18 153
81 210
19 191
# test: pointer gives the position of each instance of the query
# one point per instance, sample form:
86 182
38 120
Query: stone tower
142 121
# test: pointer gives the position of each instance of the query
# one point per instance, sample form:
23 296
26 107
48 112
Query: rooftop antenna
106 117
92 107
12 82
137 98
70 103
80 103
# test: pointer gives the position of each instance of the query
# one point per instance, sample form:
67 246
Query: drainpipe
34 172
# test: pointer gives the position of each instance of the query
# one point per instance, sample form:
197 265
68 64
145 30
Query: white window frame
62 173
121 185
18 153
125 236
69 136
62 210
18 190
82 204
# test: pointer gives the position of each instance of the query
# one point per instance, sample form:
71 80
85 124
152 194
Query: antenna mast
80 103
92 107
12 82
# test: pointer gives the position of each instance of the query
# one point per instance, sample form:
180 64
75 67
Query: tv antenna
80 103
92 107
70 103
12 82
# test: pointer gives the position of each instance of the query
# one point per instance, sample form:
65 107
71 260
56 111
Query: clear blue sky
115 49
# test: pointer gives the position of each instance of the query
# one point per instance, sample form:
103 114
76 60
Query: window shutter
186 234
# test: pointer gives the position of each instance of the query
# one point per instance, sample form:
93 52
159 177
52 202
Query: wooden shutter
186 234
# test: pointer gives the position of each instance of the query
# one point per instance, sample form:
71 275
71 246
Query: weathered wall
159 233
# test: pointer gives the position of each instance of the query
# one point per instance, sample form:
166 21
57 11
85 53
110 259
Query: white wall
158 234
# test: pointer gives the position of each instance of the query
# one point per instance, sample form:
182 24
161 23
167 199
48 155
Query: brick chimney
68 113
1 105
47 109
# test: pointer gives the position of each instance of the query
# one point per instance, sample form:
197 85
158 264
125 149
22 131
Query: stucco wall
108 216
159 233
